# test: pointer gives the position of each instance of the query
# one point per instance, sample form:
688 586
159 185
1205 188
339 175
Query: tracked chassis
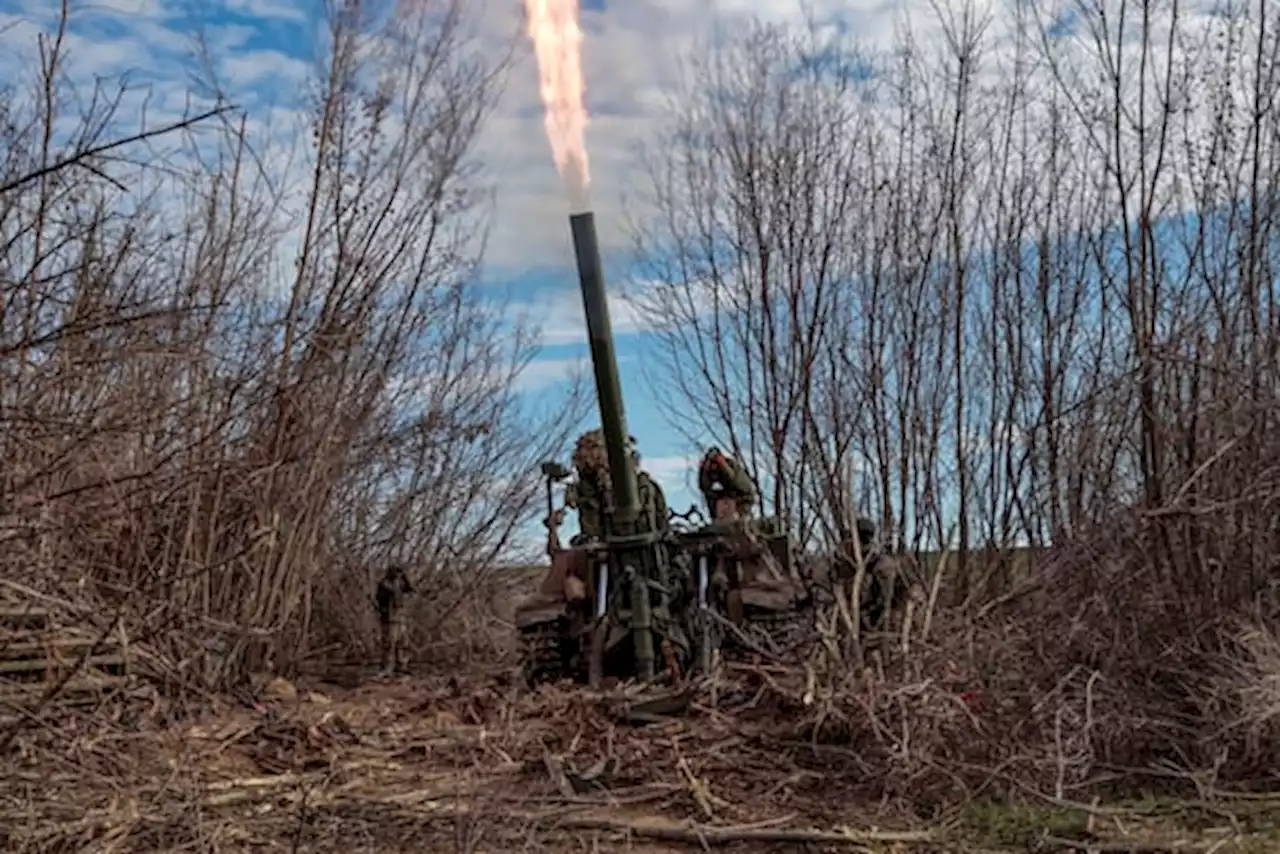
549 653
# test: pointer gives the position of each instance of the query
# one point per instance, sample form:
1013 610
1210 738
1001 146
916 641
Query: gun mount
611 603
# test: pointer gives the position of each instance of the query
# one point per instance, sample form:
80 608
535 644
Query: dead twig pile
389 765
462 766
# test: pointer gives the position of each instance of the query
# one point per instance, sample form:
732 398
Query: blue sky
262 52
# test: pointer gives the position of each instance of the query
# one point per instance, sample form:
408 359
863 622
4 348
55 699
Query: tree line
994 287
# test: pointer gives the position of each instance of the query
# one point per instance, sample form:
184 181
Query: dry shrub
460 620
1141 655
1241 704
466 626
1148 610
231 393
926 725
1253 678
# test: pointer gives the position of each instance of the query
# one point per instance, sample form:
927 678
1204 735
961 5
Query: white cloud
263 67
631 53
562 320
150 8
281 10
636 308
543 373
673 472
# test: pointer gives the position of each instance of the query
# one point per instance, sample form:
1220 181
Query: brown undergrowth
455 763
1141 656
1090 682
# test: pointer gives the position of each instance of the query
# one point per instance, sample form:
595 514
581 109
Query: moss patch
994 823
1245 826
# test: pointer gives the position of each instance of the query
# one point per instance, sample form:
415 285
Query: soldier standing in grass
392 589
885 586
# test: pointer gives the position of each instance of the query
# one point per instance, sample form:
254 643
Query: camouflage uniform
721 476
884 587
591 494
392 589
586 497
653 504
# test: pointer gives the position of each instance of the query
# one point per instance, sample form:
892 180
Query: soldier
392 589
586 494
884 586
653 501
721 477
592 493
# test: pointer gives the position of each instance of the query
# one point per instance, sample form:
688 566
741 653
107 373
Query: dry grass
454 764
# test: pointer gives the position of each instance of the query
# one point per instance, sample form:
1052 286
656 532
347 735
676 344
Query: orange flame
557 41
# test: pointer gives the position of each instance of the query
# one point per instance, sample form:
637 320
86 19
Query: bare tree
224 408
758 199
1015 255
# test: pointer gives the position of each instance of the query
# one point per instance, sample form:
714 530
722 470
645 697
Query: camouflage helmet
590 456
866 531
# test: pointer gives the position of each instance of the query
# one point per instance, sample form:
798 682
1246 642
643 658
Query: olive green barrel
613 416
613 422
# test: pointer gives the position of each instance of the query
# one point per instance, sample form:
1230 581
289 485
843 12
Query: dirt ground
468 765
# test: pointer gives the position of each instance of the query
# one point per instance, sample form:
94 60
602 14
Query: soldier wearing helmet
591 494
885 586
726 485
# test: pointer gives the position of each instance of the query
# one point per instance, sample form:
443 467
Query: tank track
544 656
784 633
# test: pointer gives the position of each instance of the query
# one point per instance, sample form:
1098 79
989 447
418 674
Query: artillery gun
723 584
649 599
